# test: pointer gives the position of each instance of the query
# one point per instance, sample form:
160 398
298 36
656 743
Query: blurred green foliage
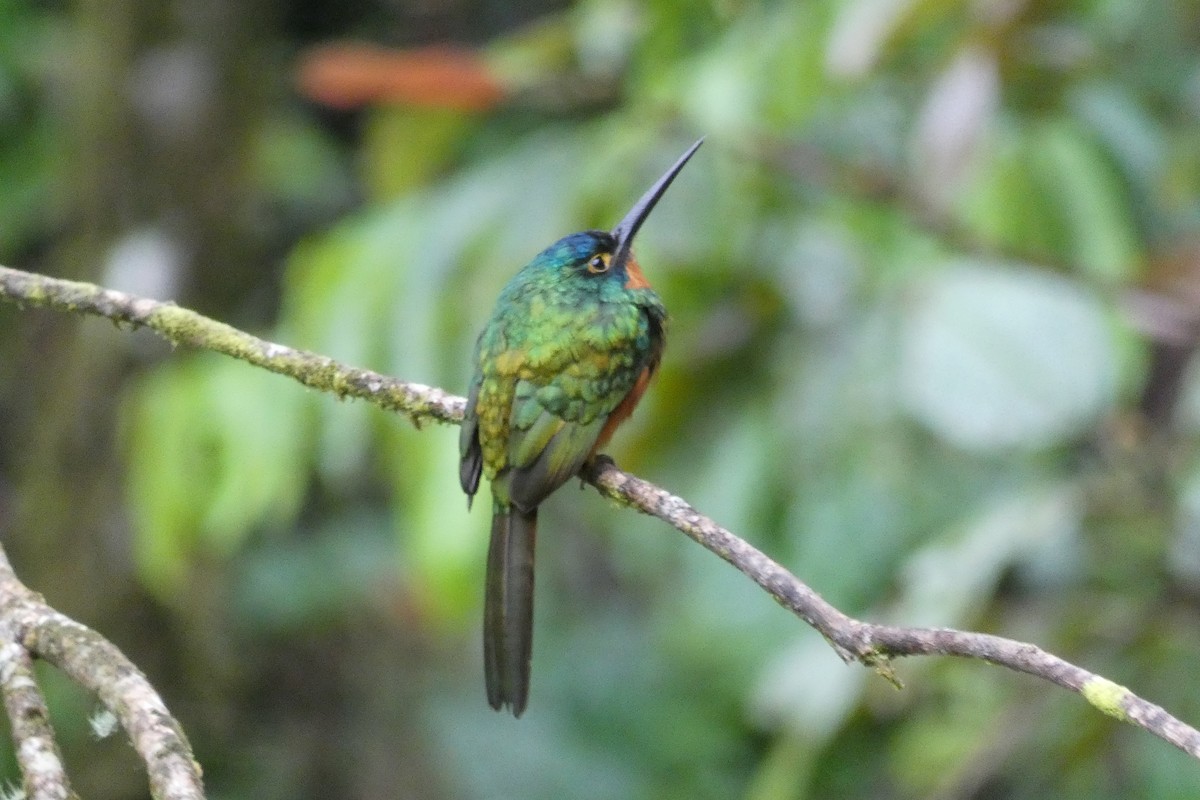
30 135
905 359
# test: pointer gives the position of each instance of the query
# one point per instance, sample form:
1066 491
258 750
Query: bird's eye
598 264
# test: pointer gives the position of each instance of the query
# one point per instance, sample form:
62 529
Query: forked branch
29 627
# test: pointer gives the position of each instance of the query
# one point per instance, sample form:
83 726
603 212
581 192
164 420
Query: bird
573 341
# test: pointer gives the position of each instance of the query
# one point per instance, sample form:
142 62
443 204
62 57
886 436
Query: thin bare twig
854 640
873 645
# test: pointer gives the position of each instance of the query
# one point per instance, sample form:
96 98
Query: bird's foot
593 466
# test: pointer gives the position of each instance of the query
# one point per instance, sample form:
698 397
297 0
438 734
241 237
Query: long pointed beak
627 228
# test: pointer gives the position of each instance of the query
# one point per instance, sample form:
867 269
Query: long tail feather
508 608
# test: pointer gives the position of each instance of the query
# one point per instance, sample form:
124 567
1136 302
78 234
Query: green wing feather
543 394
546 467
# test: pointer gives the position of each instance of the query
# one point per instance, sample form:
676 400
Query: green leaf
215 450
1090 200
1049 191
336 301
1005 205
1136 140
947 582
444 545
997 356
404 146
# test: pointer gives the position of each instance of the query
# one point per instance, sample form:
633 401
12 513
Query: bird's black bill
627 228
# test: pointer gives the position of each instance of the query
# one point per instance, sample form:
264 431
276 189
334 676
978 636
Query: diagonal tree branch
854 640
873 645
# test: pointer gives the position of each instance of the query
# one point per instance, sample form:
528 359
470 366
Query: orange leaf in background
351 75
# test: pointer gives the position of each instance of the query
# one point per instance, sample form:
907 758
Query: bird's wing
470 463
554 425
538 408
550 452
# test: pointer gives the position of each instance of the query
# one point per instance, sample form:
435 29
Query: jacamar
573 341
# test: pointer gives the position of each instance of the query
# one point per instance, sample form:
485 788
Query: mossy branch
181 326
854 640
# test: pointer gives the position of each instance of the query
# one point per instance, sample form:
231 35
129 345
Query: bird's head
604 254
